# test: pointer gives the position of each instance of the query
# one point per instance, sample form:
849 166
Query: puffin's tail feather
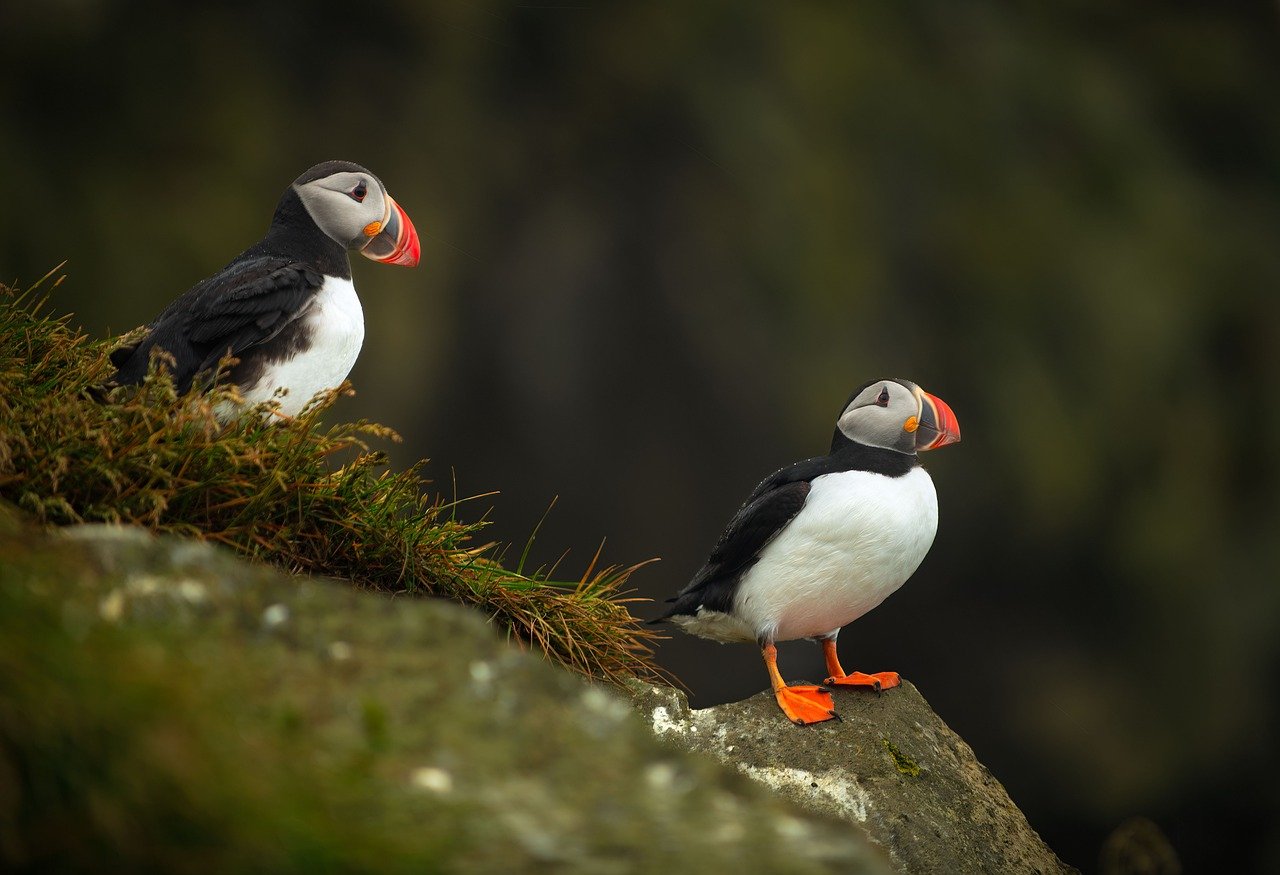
685 603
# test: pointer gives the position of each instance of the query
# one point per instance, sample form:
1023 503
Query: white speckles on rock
432 779
602 711
275 616
660 776
729 832
340 651
143 585
535 818
192 591
662 722
111 608
791 828
599 702
838 788
190 555
686 721
110 533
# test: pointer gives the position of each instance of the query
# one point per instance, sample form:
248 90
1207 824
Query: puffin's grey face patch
343 205
877 415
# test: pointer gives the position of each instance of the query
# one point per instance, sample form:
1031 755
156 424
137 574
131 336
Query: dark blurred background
662 242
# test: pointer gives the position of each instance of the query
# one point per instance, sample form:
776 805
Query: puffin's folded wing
247 303
754 525
251 306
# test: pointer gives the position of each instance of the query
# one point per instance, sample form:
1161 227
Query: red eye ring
359 192
883 399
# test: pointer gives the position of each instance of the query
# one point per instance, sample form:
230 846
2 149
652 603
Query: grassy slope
297 494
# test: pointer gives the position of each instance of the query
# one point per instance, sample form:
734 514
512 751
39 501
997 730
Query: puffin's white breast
857 539
335 322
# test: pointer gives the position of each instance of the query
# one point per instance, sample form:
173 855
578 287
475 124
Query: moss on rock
903 763
165 706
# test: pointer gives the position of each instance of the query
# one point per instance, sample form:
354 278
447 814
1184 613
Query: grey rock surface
210 715
890 766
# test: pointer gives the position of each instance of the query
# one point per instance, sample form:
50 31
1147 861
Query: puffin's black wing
753 526
773 504
246 304
771 507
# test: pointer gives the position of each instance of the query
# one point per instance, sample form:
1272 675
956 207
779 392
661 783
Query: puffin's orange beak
938 426
395 241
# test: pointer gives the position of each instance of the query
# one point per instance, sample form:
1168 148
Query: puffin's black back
249 309
772 505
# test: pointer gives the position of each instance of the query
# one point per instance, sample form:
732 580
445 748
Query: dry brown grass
298 494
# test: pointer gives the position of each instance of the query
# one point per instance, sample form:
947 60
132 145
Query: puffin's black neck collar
853 456
294 235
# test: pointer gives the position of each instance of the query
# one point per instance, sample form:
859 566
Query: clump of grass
293 493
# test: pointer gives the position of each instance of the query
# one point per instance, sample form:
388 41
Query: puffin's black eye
883 398
359 192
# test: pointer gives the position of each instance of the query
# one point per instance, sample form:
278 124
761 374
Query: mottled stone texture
891 766
167 707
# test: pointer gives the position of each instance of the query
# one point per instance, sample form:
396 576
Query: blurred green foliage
662 242
139 752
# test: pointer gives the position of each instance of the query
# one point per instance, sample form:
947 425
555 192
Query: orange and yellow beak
938 425
394 240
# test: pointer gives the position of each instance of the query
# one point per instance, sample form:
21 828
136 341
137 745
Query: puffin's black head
896 415
351 206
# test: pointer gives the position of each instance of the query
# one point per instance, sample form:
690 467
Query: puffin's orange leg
801 704
882 680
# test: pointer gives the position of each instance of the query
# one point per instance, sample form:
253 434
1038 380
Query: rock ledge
891 766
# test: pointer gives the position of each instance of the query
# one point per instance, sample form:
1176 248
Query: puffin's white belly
335 321
857 539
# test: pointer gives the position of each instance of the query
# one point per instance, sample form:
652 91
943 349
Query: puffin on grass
286 306
822 542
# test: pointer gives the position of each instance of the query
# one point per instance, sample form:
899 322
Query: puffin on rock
286 306
822 542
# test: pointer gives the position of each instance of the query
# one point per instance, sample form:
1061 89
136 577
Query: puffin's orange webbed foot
806 704
802 704
881 680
